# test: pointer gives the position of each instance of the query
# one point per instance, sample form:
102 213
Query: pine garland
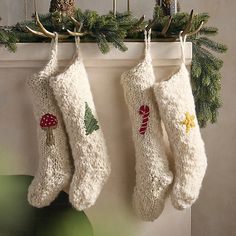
109 29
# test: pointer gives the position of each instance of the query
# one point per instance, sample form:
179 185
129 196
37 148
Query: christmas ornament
54 171
177 109
153 177
92 166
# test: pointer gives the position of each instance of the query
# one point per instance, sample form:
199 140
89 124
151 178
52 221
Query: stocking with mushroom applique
55 170
92 165
153 177
177 109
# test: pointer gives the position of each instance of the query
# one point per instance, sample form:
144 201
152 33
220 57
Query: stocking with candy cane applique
153 177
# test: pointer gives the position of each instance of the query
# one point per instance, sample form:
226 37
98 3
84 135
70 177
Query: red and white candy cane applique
144 111
49 122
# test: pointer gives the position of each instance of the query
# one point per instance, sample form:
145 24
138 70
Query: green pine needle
214 46
209 31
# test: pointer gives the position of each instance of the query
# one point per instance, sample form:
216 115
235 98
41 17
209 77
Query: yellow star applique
188 121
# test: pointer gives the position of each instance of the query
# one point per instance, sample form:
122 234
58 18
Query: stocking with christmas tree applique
92 165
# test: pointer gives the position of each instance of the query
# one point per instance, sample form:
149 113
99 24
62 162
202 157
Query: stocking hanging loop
55 41
77 44
183 43
77 41
147 38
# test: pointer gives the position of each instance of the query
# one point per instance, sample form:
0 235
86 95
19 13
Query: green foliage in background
115 29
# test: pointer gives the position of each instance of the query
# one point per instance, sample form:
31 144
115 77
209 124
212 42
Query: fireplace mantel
33 55
18 138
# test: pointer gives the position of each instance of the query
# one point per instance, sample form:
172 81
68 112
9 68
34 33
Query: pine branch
207 85
200 17
8 39
102 43
214 46
207 58
209 31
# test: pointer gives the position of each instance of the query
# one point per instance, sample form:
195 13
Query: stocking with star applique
176 104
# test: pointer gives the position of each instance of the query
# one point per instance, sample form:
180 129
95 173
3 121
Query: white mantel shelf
34 55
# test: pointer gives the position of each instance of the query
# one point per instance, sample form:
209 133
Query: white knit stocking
92 166
177 109
54 170
153 176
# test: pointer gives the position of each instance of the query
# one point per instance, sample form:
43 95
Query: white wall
215 212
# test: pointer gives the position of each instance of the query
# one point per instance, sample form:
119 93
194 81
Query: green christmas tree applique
91 124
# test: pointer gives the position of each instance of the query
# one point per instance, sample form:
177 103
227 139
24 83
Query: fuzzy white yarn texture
54 171
153 177
177 109
92 164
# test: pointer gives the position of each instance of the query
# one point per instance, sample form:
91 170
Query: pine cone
168 6
66 7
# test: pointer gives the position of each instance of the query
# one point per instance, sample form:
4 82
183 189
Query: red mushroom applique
48 123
